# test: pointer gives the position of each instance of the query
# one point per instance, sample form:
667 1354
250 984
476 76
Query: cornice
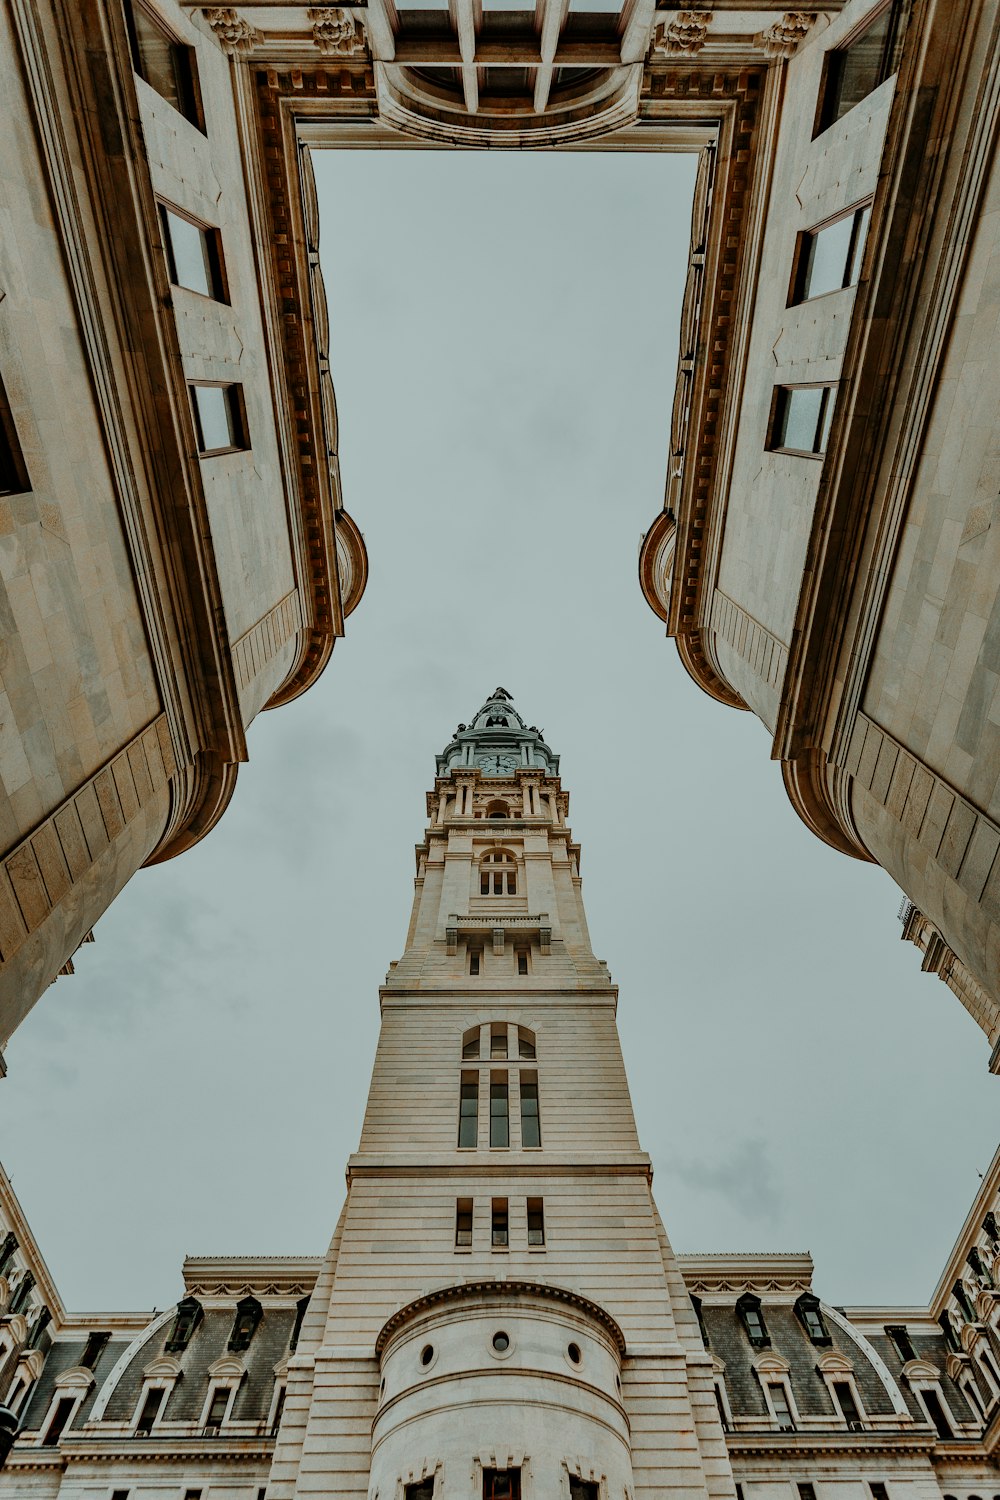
738 1273
488 1288
28 1248
802 1441
243 1275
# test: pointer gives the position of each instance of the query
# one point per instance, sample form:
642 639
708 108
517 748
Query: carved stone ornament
688 32
236 36
336 32
782 39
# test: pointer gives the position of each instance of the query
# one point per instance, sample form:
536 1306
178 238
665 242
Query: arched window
498 874
497 809
470 1044
526 1043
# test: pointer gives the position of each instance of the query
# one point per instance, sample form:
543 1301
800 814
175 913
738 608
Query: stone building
174 551
500 1313
176 555
828 555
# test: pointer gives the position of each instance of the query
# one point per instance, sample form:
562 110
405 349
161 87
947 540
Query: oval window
501 1342
427 1354
573 1351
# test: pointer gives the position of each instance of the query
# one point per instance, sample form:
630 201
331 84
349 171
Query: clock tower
500 1315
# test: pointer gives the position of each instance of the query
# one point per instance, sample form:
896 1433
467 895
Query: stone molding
235 35
336 32
244 1276
41 870
686 33
782 38
938 958
705 1275
262 642
820 791
486 1288
961 839
765 654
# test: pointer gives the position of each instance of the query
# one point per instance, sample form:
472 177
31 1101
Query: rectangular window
829 259
531 1129
474 961
801 418
192 1495
164 63
498 1041
463 1223
536 1222
499 1110
583 1489
150 1409
901 1343
194 255
806 1491
878 1489
522 960
279 1407
853 72
848 1406
499 1237
13 481
501 1484
218 418
468 1111
64 1410
120 1494
93 1349
422 1491
934 1409
218 1406
783 1412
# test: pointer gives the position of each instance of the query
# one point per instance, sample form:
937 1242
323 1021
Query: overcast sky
503 346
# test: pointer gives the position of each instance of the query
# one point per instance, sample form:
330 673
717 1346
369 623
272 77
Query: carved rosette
688 32
782 39
236 36
336 32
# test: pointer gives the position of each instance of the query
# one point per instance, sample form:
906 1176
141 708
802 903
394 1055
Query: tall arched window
498 874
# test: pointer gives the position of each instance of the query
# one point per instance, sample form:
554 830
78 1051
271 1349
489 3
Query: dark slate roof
728 1340
933 1347
65 1354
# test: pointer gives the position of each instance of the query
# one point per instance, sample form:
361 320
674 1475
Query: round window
427 1354
573 1350
501 1342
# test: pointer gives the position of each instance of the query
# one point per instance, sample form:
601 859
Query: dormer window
498 874
962 1298
7 1251
749 1309
808 1311
977 1261
248 1315
23 1292
301 1308
188 1317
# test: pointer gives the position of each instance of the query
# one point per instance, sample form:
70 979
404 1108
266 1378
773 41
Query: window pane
498 1041
827 258
525 1044
854 71
163 63
861 219
779 1401
499 1118
530 1129
214 417
191 266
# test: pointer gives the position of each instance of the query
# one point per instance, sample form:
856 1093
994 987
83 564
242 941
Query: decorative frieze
236 36
687 33
749 639
783 38
336 32
262 642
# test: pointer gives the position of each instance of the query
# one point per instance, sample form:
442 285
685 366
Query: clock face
498 765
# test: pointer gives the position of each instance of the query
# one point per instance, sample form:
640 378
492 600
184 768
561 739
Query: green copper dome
498 742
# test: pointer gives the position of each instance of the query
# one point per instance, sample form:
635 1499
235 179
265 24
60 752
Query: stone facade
500 1296
159 585
843 586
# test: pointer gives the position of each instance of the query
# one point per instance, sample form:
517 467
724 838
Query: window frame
778 420
772 1380
824 118
464 1208
499 1080
860 213
189 86
500 1224
536 1207
750 1302
216 262
17 470
528 1090
468 1080
236 413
